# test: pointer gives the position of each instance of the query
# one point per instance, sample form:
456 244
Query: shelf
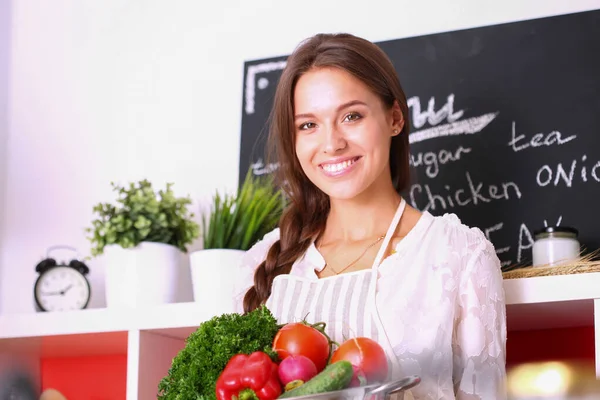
66 345
163 318
552 289
63 323
532 303
546 302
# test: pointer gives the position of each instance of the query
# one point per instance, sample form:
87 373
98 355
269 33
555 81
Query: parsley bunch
195 369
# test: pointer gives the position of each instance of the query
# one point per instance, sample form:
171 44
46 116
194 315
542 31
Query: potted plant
143 238
233 225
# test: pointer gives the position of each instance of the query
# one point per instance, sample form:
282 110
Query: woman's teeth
338 167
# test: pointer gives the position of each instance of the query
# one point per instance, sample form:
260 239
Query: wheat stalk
583 264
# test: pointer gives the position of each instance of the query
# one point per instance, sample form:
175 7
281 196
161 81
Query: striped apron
346 302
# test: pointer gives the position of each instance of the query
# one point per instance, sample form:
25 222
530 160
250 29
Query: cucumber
336 376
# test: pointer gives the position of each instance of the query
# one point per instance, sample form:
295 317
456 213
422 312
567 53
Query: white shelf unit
152 337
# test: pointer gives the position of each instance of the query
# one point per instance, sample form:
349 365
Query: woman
350 252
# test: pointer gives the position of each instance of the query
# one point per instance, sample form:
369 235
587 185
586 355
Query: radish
296 367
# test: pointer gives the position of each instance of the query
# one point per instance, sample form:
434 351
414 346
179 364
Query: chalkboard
505 126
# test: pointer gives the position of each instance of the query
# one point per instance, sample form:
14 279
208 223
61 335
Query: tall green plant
238 221
143 215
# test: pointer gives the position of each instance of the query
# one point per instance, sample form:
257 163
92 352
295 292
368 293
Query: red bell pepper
252 377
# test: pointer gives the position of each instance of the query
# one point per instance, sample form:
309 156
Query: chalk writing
538 140
430 115
468 126
476 193
250 88
454 125
432 160
546 175
259 168
262 83
557 222
525 241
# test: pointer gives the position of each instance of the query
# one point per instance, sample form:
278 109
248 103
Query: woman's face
343 133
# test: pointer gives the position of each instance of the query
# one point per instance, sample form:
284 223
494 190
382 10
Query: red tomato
367 357
300 339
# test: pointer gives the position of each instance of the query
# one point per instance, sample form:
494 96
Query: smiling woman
350 251
343 129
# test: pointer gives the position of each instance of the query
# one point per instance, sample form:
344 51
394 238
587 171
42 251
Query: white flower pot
146 275
214 272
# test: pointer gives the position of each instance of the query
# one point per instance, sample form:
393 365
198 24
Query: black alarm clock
61 286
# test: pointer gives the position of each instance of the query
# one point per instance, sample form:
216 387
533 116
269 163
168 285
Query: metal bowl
376 391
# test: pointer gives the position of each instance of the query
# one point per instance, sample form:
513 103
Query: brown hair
304 219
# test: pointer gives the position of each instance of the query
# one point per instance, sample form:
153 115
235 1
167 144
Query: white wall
5 28
91 80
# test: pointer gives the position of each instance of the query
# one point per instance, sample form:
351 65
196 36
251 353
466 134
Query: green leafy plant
143 215
238 221
194 370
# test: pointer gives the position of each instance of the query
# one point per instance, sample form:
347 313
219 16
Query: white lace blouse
441 302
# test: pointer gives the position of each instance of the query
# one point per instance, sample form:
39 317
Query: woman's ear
397 119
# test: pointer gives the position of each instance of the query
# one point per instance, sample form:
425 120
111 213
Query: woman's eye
352 117
306 125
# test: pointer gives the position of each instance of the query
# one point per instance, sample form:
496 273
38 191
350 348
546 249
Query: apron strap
389 233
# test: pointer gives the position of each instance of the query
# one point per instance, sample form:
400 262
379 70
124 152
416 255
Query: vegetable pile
195 369
250 357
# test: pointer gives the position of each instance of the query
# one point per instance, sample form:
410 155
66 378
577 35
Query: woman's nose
333 140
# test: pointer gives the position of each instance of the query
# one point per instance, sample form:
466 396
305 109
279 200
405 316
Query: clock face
62 288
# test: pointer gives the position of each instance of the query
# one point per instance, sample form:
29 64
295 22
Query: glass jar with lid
554 245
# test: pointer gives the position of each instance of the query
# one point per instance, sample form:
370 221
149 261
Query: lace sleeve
479 342
250 261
